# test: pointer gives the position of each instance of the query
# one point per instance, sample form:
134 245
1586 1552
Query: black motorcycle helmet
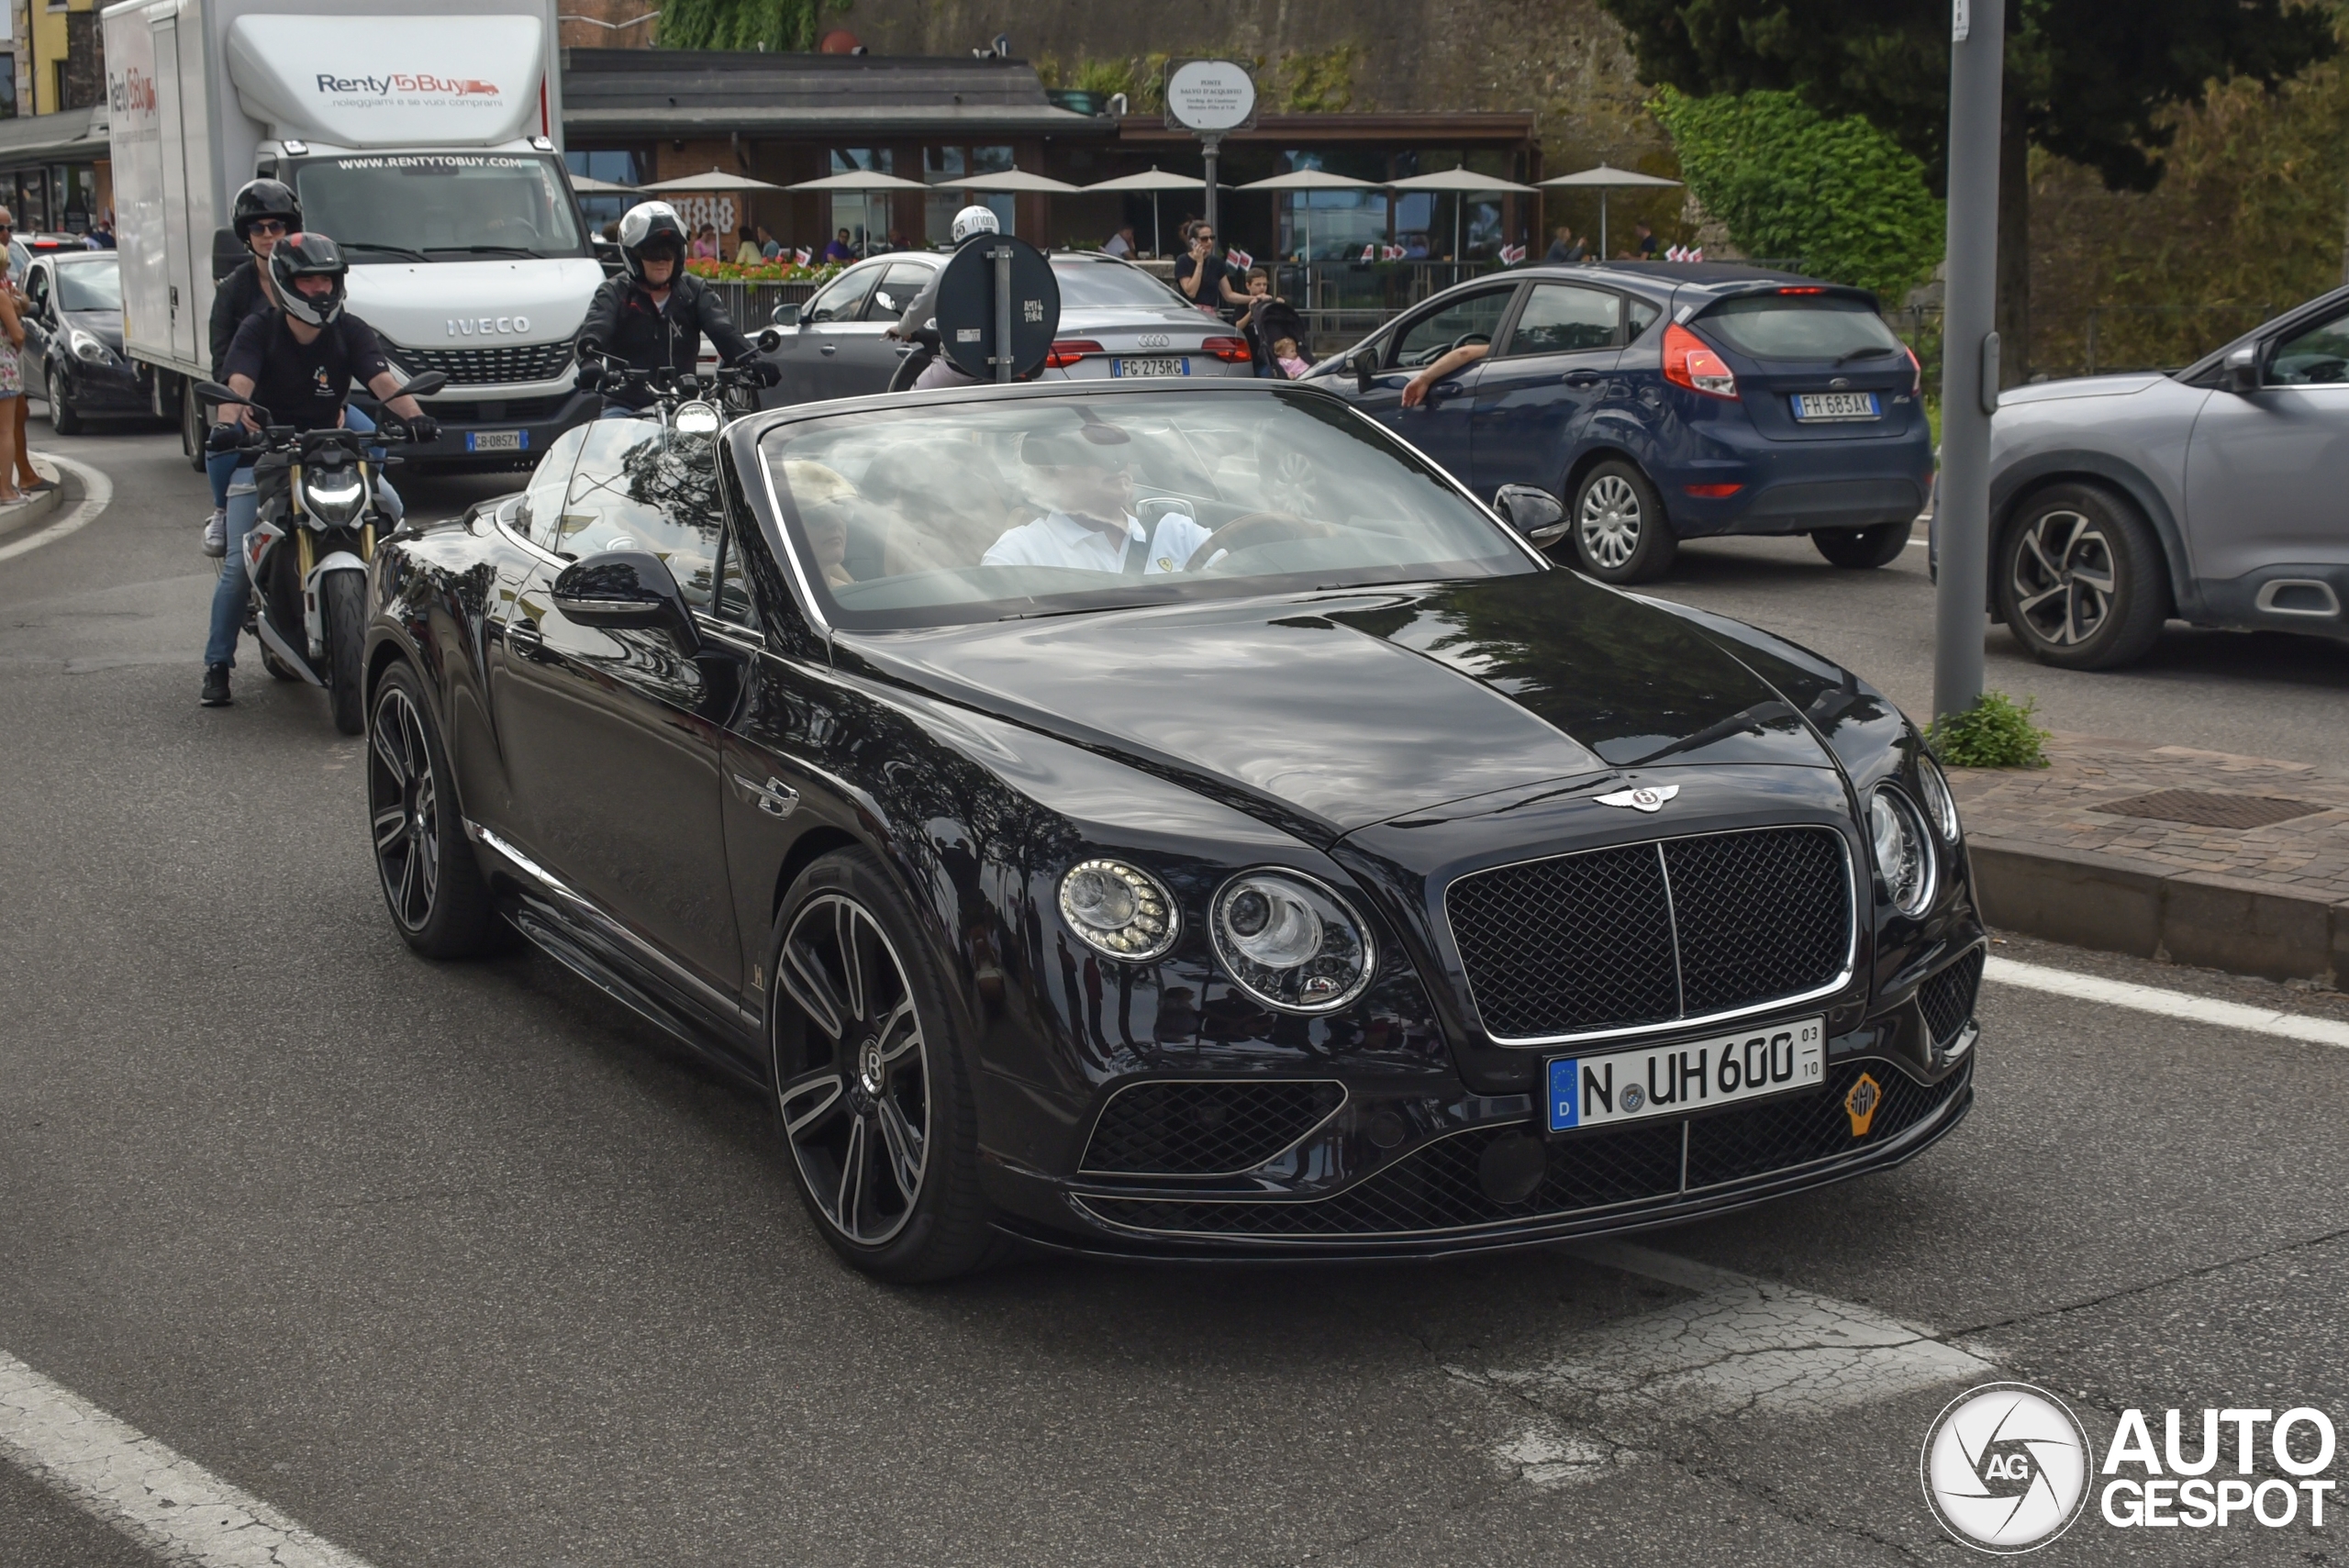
653 227
308 256
264 198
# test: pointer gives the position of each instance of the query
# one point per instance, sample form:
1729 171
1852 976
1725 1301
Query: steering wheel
1255 529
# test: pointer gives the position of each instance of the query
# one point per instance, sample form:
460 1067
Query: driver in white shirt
1084 478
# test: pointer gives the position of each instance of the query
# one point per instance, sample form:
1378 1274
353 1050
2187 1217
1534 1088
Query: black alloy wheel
1619 528
432 884
2079 579
342 601
869 1087
1862 549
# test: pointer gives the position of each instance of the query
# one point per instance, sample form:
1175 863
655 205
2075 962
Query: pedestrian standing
1204 276
1644 247
12 392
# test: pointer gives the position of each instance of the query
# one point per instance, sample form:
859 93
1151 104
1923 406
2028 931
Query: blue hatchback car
1663 401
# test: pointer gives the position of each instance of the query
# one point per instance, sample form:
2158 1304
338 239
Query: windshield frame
371 253
744 438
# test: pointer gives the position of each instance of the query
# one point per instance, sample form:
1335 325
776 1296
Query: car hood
105 326
2080 386
1331 711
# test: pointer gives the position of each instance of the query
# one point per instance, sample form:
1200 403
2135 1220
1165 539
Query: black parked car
1172 820
73 352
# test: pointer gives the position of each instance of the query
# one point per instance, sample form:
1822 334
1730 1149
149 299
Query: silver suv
2219 495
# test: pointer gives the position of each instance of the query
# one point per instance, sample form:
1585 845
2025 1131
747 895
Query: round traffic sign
967 317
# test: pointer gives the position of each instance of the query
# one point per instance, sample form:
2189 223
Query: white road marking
1738 1346
2170 1004
97 491
169 1505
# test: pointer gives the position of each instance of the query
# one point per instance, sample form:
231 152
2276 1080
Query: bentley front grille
1655 933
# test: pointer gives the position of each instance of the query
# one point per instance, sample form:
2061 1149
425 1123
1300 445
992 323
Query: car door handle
829 348
523 637
774 798
1582 378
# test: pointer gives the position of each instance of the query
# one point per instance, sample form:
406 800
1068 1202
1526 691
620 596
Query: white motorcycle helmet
650 226
974 220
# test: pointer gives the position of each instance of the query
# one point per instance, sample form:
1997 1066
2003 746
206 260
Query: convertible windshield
413 207
940 514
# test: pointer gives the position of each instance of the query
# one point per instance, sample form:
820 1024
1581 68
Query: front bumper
106 387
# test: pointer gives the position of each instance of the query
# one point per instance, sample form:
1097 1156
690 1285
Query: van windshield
439 207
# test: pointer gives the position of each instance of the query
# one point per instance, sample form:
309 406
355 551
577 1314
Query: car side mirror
1364 364
768 340
786 314
625 588
2242 371
1539 517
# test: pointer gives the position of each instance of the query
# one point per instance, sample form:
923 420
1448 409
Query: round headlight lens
1291 943
1938 799
1119 909
1903 858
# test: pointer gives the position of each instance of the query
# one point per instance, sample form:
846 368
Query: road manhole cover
2204 808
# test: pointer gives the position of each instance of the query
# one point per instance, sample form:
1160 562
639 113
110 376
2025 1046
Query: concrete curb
15 519
2102 901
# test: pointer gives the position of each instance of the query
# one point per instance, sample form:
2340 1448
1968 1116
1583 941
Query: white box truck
423 135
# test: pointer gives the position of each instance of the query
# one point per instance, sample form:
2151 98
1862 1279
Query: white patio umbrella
1018 181
715 180
1458 183
1153 179
1605 178
1311 180
588 186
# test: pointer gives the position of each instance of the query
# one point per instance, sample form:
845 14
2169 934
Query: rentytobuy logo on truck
401 81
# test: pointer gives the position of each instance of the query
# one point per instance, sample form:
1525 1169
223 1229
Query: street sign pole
1969 353
1210 142
1003 345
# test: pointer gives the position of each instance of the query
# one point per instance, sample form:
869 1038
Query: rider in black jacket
265 211
655 313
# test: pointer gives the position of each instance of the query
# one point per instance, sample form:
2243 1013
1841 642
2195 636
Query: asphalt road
458 1266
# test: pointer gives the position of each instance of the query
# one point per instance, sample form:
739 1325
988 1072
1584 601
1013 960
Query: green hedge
1838 194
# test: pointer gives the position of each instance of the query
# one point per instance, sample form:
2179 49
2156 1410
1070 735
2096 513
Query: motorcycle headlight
1938 799
87 347
1904 858
334 496
1119 909
1289 943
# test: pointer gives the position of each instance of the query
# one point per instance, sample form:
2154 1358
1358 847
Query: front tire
869 1085
63 418
431 883
191 431
342 600
1619 532
1862 549
2081 579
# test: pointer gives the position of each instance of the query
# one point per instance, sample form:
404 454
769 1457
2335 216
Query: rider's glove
423 427
227 438
766 372
591 376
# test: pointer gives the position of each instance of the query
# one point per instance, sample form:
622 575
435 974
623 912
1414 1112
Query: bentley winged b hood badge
1641 799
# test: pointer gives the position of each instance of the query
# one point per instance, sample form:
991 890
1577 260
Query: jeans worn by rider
303 385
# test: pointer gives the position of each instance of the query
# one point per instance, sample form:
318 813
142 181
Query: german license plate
497 441
1692 1075
1150 367
1836 405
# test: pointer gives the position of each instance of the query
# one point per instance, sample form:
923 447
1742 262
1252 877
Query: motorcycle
315 520
727 391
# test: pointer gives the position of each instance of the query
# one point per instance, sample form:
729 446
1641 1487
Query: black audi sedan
1173 821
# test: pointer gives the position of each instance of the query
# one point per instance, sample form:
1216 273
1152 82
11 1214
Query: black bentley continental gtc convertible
1170 821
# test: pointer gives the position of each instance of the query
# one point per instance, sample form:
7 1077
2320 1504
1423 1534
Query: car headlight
1289 943
86 347
1904 857
1938 799
1119 909
334 496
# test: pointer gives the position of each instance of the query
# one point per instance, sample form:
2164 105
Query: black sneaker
215 685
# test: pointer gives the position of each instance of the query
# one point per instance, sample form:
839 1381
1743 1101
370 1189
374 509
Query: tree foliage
773 24
1837 196
2094 81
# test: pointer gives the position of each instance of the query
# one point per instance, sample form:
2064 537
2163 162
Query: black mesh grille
1948 996
1585 941
1566 944
1438 1188
1200 1130
489 367
1760 915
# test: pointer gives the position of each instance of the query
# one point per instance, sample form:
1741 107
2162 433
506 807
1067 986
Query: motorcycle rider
655 313
926 366
298 361
263 211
